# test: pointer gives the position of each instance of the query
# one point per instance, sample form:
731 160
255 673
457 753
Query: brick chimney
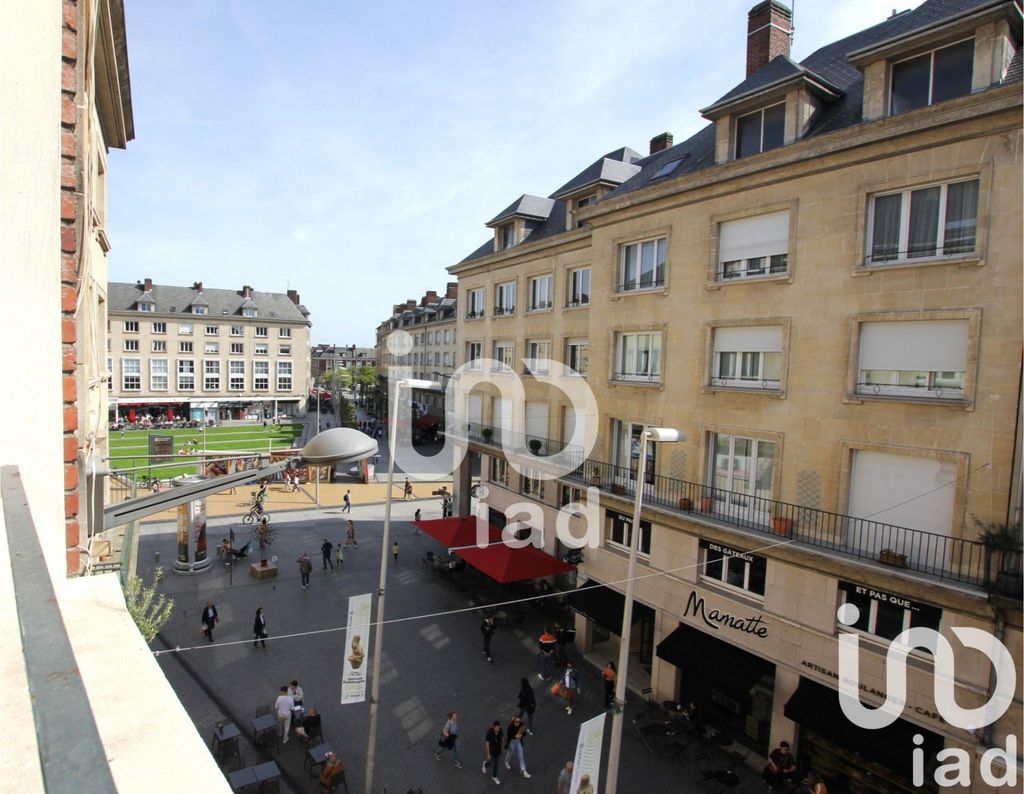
198 286
293 296
147 285
660 143
452 290
430 297
769 28
410 304
246 291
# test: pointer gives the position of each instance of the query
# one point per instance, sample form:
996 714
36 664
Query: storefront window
620 532
722 564
885 614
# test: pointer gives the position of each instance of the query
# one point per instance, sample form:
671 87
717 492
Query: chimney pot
246 291
769 31
198 286
148 285
660 143
294 296
452 289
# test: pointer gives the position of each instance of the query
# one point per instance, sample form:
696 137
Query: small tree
149 609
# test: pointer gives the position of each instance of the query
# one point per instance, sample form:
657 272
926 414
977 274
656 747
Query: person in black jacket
209 620
494 742
487 629
259 629
527 703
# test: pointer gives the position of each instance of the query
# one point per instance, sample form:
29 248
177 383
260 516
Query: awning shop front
816 707
505 564
605 606
709 663
457 531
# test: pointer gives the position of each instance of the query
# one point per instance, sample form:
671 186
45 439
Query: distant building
327 358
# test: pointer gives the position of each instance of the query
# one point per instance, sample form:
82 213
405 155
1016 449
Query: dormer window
248 312
199 310
760 131
935 76
507 235
146 306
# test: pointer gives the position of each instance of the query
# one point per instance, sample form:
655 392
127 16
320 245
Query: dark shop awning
504 564
604 606
457 531
713 662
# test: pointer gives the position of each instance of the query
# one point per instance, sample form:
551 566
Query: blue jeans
546 665
454 748
515 749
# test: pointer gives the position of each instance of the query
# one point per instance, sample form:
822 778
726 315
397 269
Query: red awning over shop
457 531
427 421
505 564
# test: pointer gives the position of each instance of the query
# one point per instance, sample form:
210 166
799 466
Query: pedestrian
209 620
407 490
487 629
296 693
565 778
264 424
449 739
394 550
546 657
527 703
446 508
514 736
416 517
350 533
305 569
339 554
348 502
493 741
325 551
283 710
570 685
562 638
609 673
259 628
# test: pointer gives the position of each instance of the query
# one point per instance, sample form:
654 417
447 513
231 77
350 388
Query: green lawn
132 449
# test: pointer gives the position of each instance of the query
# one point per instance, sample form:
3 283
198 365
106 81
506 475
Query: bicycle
255 515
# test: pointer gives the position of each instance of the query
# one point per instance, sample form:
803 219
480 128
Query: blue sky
352 151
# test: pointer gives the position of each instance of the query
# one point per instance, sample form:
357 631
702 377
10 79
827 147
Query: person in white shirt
296 692
283 708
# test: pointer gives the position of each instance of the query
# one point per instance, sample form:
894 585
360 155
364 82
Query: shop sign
715 618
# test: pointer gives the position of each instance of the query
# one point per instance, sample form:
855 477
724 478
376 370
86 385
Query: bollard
156 557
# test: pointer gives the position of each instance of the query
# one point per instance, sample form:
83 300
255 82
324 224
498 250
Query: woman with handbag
449 739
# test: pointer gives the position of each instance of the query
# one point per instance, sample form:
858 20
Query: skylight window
668 168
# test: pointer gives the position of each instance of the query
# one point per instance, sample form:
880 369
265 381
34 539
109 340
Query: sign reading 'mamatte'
715 618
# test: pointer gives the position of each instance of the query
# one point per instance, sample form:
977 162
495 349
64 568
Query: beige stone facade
815 456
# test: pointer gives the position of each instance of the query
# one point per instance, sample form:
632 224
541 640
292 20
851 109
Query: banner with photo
357 659
587 765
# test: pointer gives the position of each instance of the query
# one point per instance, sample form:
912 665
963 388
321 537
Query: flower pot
890 557
707 504
1009 583
263 563
782 525
535 446
686 504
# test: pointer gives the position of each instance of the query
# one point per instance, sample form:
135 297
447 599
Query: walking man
209 620
449 739
527 703
394 550
259 628
348 502
305 569
325 551
487 629
565 778
570 683
407 489
283 710
493 742
546 657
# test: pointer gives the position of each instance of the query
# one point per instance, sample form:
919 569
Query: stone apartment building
206 354
326 358
821 289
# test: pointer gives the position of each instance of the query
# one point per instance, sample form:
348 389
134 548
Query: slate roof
779 69
614 169
221 302
526 206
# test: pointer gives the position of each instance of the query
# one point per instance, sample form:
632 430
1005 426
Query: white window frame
186 347
159 346
760 147
574 349
576 295
131 345
249 312
261 349
285 373
541 292
261 376
475 300
538 349
532 485
131 368
504 355
931 74
236 375
160 327
200 310
626 540
284 333
745 364
185 368
212 330
159 374
238 330
505 299
474 352
211 348
712 553
237 349
284 350
653 341
745 258
919 383
185 329
131 326
635 283
261 332
146 306
211 374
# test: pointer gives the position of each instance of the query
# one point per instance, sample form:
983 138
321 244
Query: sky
352 150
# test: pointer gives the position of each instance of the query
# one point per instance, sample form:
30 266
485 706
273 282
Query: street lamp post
378 638
664 435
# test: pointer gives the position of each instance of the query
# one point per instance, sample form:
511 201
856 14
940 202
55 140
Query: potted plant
487 433
685 503
595 477
534 445
782 525
707 504
1003 551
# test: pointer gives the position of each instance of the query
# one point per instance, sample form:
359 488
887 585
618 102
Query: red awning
457 531
427 421
505 564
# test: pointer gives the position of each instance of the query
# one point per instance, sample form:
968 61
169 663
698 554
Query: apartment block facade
326 358
206 354
821 289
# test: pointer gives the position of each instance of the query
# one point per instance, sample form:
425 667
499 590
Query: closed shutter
476 409
536 420
761 235
917 345
762 338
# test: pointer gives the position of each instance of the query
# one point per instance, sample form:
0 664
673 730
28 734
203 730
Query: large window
760 131
211 347
211 375
260 349
919 358
642 265
503 353
185 329
284 376
474 352
741 473
933 77
638 357
505 299
261 375
158 374
131 374
540 351
750 247
540 293
627 439
236 375
932 221
186 374
886 614
620 532
474 303
725 565
577 355
579 287
747 356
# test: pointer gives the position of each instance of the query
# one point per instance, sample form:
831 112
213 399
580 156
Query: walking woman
449 739
527 703
259 629
609 674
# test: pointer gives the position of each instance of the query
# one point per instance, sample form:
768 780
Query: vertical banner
357 639
588 756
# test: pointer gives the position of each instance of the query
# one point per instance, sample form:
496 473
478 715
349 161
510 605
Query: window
186 374
638 357
626 437
131 326
886 614
185 329
475 300
724 565
499 471
447 336
579 287
585 201
284 333
248 312
741 472
760 131
237 330
184 347
159 328
237 349
756 246
211 347
540 293
261 332
284 376
505 299
211 375
642 265
284 350
261 375
474 352
199 310
540 352
159 345
212 330
507 235
939 220
503 353
919 358
577 355
131 345
933 77
146 306
260 349
532 483
570 494
158 374
620 532
747 356
236 375
131 374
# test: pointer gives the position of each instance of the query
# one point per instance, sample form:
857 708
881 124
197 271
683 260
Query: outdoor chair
428 560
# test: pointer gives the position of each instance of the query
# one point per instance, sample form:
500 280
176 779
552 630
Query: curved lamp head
338 445
665 434
416 383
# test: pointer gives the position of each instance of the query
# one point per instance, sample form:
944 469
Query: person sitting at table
310 726
781 765
813 785
332 771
